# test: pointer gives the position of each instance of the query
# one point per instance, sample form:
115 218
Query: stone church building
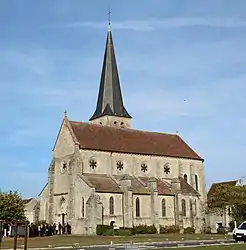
103 171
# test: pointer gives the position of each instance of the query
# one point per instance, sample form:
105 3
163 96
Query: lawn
68 240
232 247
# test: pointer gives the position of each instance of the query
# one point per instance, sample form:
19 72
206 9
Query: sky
182 67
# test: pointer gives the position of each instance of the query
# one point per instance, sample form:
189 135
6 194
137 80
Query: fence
18 228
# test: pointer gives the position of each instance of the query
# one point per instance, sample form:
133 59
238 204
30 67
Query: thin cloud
154 24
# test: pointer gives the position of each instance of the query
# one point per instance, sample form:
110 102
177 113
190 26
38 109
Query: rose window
144 167
119 165
166 169
93 163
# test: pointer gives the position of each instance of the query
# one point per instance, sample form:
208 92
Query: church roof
162 186
103 183
110 101
131 141
186 188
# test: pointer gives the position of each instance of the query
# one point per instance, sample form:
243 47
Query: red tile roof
105 138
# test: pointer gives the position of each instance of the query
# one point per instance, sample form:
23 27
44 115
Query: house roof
105 138
216 185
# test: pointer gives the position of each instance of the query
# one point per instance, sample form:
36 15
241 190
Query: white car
239 233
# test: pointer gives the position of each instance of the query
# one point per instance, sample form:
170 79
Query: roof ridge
128 129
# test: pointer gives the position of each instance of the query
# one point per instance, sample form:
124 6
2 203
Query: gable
44 191
64 144
105 138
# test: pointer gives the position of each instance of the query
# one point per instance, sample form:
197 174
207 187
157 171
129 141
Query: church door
63 219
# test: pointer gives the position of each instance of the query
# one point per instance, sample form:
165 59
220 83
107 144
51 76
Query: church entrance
62 212
63 219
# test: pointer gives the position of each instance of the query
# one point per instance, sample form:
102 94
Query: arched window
196 182
82 207
163 208
183 207
111 205
191 208
137 207
185 177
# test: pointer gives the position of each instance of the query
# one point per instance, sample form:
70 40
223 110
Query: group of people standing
49 230
35 230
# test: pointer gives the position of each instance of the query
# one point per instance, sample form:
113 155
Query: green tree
229 197
12 206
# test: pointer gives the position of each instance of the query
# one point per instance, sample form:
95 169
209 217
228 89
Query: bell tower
110 110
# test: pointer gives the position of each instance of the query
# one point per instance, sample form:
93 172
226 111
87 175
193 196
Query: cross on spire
109 16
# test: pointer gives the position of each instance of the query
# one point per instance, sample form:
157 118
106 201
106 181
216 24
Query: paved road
158 245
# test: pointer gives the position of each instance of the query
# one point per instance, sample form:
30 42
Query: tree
229 197
12 206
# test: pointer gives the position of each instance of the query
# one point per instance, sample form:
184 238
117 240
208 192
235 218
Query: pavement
143 245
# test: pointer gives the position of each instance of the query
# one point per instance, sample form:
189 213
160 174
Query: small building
31 209
218 217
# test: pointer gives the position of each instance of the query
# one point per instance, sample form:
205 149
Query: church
105 172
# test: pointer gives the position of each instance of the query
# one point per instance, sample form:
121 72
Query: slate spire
110 101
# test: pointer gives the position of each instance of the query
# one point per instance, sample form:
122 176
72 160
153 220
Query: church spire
110 101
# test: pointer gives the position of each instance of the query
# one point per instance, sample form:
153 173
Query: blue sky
182 67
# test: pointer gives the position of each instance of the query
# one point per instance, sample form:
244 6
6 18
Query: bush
169 229
189 230
144 229
118 232
101 229
123 232
109 232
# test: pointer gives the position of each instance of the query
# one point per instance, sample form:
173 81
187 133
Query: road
156 245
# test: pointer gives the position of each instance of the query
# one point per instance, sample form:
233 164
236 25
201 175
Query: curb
179 244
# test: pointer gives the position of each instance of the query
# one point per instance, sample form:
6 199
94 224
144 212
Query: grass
231 247
68 240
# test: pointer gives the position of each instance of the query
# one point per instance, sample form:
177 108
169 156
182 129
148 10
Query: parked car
222 230
239 233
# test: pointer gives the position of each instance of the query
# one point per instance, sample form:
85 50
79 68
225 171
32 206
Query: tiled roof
186 188
105 138
162 186
103 183
219 184
138 187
